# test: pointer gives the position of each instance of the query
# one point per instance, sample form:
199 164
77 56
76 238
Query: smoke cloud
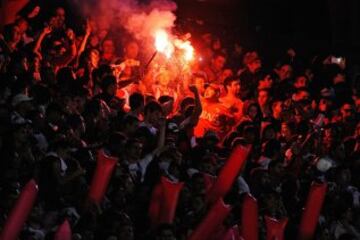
141 20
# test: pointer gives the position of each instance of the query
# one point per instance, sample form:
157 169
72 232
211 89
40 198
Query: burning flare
166 45
163 43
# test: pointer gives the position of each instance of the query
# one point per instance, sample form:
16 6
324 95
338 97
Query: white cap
324 164
19 98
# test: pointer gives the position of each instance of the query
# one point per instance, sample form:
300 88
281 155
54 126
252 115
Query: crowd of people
65 95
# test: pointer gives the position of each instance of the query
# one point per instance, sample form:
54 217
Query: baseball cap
19 98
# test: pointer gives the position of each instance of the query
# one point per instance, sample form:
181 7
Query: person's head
166 232
186 103
62 147
250 134
197 183
22 104
302 94
130 124
212 93
216 44
22 24
79 99
108 46
252 110
263 97
167 104
136 101
301 82
339 78
271 149
343 176
109 85
15 35
94 57
232 85
210 139
77 123
21 133
266 82
55 113
199 81
134 148
131 50
325 105
347 112
252 61
153 113
60 17
208 164
218 61
268 131
116 143
164 78
285 72
287 130
277 108
276 168
329 136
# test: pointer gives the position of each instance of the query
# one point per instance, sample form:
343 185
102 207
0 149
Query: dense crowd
66 95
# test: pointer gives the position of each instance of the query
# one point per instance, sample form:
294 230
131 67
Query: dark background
308 25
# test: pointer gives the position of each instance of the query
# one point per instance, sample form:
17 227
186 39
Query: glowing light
163 43
166 45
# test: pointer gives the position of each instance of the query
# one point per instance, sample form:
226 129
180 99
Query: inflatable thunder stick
19 213
275 229
170 196
228 173
63 232
249 219
155 205
212 221
312 210
104 168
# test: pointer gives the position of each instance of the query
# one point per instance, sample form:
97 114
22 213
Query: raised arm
161 139
194 118
37 49
85 40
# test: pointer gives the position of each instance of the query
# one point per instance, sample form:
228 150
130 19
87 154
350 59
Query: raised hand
193 89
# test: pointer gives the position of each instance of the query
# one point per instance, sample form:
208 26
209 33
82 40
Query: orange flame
166 45
187 49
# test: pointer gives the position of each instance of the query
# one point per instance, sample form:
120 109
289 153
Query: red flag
170 195
250 218
20 212
63 232
312 210
104 168
212 221
228 173
275 229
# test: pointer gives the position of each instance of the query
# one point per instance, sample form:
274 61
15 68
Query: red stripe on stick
20 211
